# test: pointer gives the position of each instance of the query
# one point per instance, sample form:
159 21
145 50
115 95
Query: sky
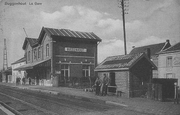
147 22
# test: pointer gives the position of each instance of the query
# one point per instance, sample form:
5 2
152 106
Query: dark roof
19 61
120 62
62 33
70 33
32 42
30 65
154 48
173 48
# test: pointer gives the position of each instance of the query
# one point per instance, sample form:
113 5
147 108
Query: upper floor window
39 52
47 50
86 70
35 54
169 61
29 55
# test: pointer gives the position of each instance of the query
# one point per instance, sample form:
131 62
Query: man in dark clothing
29 81
106 81
97 84
176 98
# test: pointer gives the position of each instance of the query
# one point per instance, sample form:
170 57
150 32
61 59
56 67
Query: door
112 86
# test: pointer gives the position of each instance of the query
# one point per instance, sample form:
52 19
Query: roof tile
20 60
70 33
174 47
120 61
154 48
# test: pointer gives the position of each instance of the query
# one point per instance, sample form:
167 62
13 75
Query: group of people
20 80
101 85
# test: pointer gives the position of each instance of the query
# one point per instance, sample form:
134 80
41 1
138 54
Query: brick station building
60 56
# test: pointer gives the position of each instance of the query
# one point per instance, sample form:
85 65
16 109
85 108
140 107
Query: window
39 52
35 54
169 75
86 70
65 70
29 55
169 61
47 50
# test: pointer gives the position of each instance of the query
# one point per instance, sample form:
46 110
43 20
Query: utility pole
123 5
5 62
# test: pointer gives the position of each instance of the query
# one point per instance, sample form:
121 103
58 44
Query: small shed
129 74
162 89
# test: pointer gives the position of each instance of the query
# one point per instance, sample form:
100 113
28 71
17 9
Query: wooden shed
129 74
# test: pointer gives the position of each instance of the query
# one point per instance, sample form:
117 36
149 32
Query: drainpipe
52 63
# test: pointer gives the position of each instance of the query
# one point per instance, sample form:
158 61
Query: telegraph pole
123 5
5 62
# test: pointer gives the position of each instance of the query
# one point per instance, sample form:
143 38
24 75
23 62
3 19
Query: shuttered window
169 61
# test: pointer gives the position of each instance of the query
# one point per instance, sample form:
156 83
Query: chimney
148 53
133 47
167 41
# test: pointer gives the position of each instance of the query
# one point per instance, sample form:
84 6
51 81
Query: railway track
39 103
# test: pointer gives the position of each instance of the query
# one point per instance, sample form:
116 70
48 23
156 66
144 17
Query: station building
60 56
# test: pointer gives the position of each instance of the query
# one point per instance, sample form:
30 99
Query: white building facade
17 73
169 63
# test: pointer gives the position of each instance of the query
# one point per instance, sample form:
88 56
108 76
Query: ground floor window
169 75
86 70
65 70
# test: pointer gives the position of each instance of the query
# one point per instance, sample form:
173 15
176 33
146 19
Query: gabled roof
173 48
154 48
31 41
19 61
60 33
121 62
68 33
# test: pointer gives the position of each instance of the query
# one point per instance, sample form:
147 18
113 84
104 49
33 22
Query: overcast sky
147 22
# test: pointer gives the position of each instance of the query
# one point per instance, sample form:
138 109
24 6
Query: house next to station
154 49
169 63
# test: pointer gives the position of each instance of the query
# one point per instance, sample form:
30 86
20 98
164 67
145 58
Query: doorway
112 86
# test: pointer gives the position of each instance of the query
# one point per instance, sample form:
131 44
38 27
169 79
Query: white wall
16 73
163 70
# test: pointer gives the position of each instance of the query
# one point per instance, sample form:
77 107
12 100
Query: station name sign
69 49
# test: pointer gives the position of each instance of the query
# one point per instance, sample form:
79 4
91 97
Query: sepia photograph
89 57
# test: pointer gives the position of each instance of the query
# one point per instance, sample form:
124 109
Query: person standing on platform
176 98
97 85
29 81
106 81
